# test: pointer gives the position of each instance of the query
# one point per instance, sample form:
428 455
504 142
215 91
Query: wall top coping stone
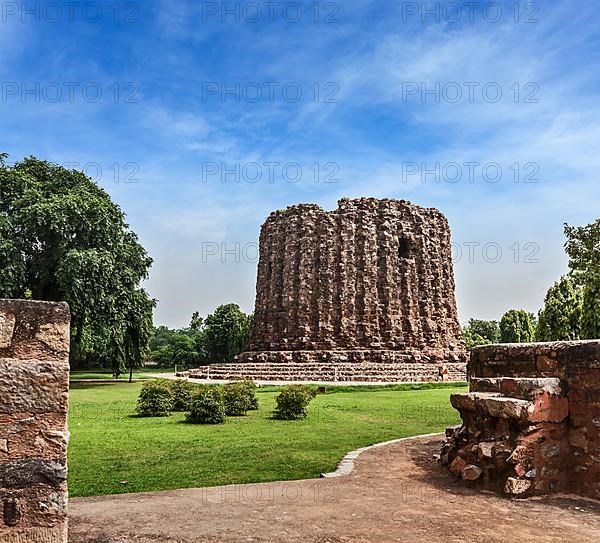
59 309
538 346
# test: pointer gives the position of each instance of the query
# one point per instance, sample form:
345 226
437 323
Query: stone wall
366 285
34 384
531 421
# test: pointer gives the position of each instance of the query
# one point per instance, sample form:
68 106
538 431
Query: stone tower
370 282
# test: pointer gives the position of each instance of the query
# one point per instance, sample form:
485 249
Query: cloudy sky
200 118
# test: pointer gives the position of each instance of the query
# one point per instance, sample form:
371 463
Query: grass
141 373
109 444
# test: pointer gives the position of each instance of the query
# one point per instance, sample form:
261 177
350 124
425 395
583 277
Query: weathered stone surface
34 381
549 408
57 534
457 466
368 283
485 449
471 472
529 388
55 335
492 404
538 432
33 386
484 385
41 330
33 471
517 487
7 328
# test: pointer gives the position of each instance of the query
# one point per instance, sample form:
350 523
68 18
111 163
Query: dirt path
395 493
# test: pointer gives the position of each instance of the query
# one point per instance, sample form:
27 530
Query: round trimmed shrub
251 391
155 399
292 402
238 399
181 391
207 406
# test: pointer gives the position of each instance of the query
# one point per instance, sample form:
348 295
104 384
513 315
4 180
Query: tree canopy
516 326
583 248
218 338
63 239
227 331
480 332
560 318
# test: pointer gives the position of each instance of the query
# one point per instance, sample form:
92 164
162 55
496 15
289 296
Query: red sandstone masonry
531 423
367 285
34 385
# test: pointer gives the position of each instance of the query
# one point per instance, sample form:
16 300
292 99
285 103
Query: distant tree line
571 308
216 339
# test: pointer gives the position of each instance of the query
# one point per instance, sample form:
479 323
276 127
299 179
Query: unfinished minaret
365 292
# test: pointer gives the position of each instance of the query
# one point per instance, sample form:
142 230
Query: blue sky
347 99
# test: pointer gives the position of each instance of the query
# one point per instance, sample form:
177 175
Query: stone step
524 388
543 408
324 372
492 404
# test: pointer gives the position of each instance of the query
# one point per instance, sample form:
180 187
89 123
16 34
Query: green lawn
141 373
109 444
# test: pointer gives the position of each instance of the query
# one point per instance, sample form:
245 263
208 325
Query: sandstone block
54 335
484 385
34 382
457 466
471 472
7 327
529 388
33 386
485 449
28 472
548 408
517 487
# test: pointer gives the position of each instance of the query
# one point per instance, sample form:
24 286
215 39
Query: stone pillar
34 387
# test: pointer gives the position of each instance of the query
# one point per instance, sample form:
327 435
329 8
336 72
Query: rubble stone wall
531 421
371 281
34 385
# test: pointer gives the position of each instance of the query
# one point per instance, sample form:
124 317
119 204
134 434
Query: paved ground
395 493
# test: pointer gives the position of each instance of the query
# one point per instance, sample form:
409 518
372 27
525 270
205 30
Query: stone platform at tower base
326 366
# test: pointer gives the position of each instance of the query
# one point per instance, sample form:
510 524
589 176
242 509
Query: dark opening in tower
404 248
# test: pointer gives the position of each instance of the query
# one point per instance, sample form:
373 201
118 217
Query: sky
200 118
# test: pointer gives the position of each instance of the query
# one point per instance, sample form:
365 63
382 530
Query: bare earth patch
395 493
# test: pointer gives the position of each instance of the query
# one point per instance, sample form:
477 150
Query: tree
486 329
516 326
63 239
473 339
583 248
197 321
227 331
560 318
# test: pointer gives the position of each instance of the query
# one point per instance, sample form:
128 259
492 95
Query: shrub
292 402
182 394
239 398
155 400
207 406
251 391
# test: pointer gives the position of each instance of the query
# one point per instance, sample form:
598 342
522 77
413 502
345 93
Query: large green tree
560 318
226 332
516 326
583 248
63 239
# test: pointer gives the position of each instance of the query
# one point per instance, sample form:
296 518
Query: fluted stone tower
364 292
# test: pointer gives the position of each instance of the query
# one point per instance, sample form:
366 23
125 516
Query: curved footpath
396 492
